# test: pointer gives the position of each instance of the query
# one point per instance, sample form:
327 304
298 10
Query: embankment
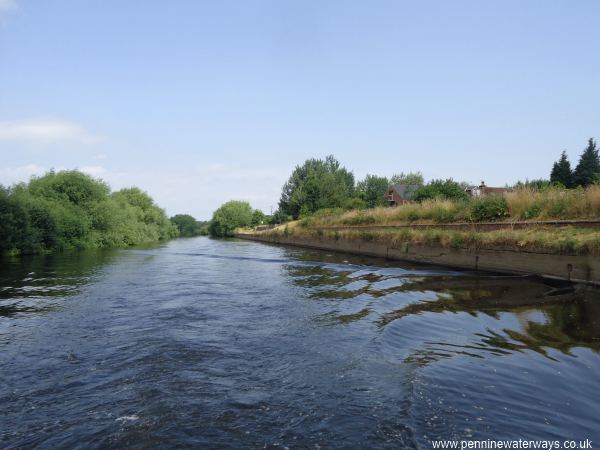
578 268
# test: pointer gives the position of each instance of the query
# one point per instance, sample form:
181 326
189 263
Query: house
482 189
399 194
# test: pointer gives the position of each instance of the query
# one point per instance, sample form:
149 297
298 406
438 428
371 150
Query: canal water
202 343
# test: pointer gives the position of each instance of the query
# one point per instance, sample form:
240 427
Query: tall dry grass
523 204
554 203
568 240
438 211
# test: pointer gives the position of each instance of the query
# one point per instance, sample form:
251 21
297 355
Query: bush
186 224
490 208
355 203
229 216
441 189
69 209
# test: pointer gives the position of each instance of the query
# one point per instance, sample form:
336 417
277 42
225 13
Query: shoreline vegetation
524 204
70 210
321 201
565 240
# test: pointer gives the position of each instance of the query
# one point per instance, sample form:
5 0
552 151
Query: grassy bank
525 204
567 240
553 203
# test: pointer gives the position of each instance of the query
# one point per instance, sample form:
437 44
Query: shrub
69 209
441 189
489 208
229 216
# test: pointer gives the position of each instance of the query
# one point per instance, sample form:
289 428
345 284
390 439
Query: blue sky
200 102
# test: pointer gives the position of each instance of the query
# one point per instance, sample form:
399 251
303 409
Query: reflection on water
204 343
549 313
33 284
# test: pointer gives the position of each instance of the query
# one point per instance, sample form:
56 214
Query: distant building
399 194
482 189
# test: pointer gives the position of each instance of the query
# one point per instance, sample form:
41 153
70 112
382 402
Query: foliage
588 169
489 208
69 209
187 225
409 178
280 217
230 216
355 203
372 189
561 171
259 218
536 184
441 189
315 185
553 202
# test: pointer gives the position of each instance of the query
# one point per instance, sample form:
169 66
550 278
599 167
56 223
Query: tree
229 216
186 224
258 218
280 217
147 212
443 189
537 184
315 185
409 178
588 169
561 171
69 209
372 189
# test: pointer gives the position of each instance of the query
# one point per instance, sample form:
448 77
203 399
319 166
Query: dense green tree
142 206
588 169
409 178
537 184
443 189
69 209
315 185
15 229
186 224
69 186
229 216
258 218
561 171
280 217
372 189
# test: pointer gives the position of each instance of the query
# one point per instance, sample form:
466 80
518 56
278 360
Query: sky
200 102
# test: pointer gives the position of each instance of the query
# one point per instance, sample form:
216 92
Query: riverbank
567 253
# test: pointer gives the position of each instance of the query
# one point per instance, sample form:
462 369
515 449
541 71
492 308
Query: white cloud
95 171
9 176
45 131
7 4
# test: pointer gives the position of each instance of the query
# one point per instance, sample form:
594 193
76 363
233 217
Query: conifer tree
561 171
588 168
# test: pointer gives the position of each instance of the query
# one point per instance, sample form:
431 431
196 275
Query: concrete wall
579 268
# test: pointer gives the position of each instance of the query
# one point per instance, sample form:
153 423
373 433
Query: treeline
235 214
324 184
320 184
71 210
188 226
586 172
